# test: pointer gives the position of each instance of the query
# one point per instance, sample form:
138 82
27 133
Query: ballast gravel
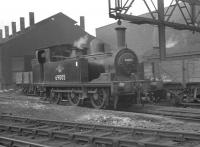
36 108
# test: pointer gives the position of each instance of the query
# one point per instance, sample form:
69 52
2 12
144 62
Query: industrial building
17 50
182 46
143 39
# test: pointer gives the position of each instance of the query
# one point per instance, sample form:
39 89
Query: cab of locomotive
59 64
44 57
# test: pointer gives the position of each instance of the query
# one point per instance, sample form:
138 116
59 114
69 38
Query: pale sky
95 11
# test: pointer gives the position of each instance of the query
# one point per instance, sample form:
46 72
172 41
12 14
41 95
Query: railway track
18 132
185 114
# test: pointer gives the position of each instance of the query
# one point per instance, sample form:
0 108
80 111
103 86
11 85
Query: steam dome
96 46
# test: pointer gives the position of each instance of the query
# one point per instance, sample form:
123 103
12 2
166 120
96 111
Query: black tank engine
101 77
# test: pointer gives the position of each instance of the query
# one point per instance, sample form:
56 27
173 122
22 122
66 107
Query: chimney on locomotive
121 37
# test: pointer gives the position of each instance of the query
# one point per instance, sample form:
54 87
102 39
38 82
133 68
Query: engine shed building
18 49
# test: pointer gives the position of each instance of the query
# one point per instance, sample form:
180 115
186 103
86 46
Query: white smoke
81 42
171 42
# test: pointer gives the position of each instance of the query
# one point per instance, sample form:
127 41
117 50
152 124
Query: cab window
59 53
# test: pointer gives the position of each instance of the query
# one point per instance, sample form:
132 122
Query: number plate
60 78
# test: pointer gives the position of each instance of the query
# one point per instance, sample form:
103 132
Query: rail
94 135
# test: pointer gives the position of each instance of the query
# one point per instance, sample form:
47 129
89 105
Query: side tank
123 63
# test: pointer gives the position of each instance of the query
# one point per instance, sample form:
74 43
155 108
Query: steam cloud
171 42
81 42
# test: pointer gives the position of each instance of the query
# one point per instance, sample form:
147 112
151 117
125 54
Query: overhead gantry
159 15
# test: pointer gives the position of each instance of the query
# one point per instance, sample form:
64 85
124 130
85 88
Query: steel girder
189 11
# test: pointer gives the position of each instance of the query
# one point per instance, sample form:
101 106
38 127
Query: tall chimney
121 37
31 18
1 34
6 31
14 28
82 22
22 24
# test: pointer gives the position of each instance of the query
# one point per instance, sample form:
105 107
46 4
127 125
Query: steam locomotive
102 77
99 75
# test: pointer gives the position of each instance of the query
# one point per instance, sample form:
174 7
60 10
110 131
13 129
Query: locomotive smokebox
121 37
